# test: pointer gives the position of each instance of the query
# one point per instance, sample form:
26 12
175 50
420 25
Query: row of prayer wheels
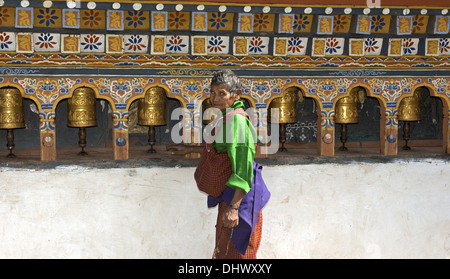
81 113
346 112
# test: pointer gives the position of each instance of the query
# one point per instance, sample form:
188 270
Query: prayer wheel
287 112
347 113
11 115
82 113
152 112
409 111
206 105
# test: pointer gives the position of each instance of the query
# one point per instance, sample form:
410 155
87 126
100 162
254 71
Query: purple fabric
249 209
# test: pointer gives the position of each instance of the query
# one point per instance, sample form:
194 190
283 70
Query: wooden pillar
261 123
390 132
120 139
47 139
446 132
383 144
325 137
194 125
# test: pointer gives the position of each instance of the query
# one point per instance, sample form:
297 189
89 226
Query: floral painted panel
263 22
420 23
444 46
179 21
341 23
303 23
334 46
7 41
259 45
139 20
410 46
45 17
46 42
372 46
136 43
93 19
92 42
7 16
218 44
296 46
220 21
380 24
177 44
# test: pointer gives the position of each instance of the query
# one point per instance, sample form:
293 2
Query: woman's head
225 89
229 78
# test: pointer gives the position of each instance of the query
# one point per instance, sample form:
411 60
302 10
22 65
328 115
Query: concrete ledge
188 162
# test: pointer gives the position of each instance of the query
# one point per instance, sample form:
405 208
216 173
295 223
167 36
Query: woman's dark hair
229 78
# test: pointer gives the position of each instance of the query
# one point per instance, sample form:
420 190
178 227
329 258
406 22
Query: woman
228 174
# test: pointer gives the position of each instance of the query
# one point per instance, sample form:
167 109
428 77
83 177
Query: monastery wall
382 70
350 209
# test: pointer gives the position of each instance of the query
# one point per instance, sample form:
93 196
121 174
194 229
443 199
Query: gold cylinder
81 108
409 109
347 110
152 108
206 105
11 108
286 106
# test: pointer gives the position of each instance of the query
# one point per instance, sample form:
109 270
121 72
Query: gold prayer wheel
346 110
82 113
152 112
409 110
287 112
11 114
206 105
286 106
152 108
81 110
11 109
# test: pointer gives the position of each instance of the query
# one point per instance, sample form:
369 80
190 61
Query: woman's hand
230 217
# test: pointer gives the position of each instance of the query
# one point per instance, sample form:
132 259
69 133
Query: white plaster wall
379 210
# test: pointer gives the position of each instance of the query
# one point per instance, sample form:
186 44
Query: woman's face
221 98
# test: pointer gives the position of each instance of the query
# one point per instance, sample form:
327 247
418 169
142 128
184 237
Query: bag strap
233 112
